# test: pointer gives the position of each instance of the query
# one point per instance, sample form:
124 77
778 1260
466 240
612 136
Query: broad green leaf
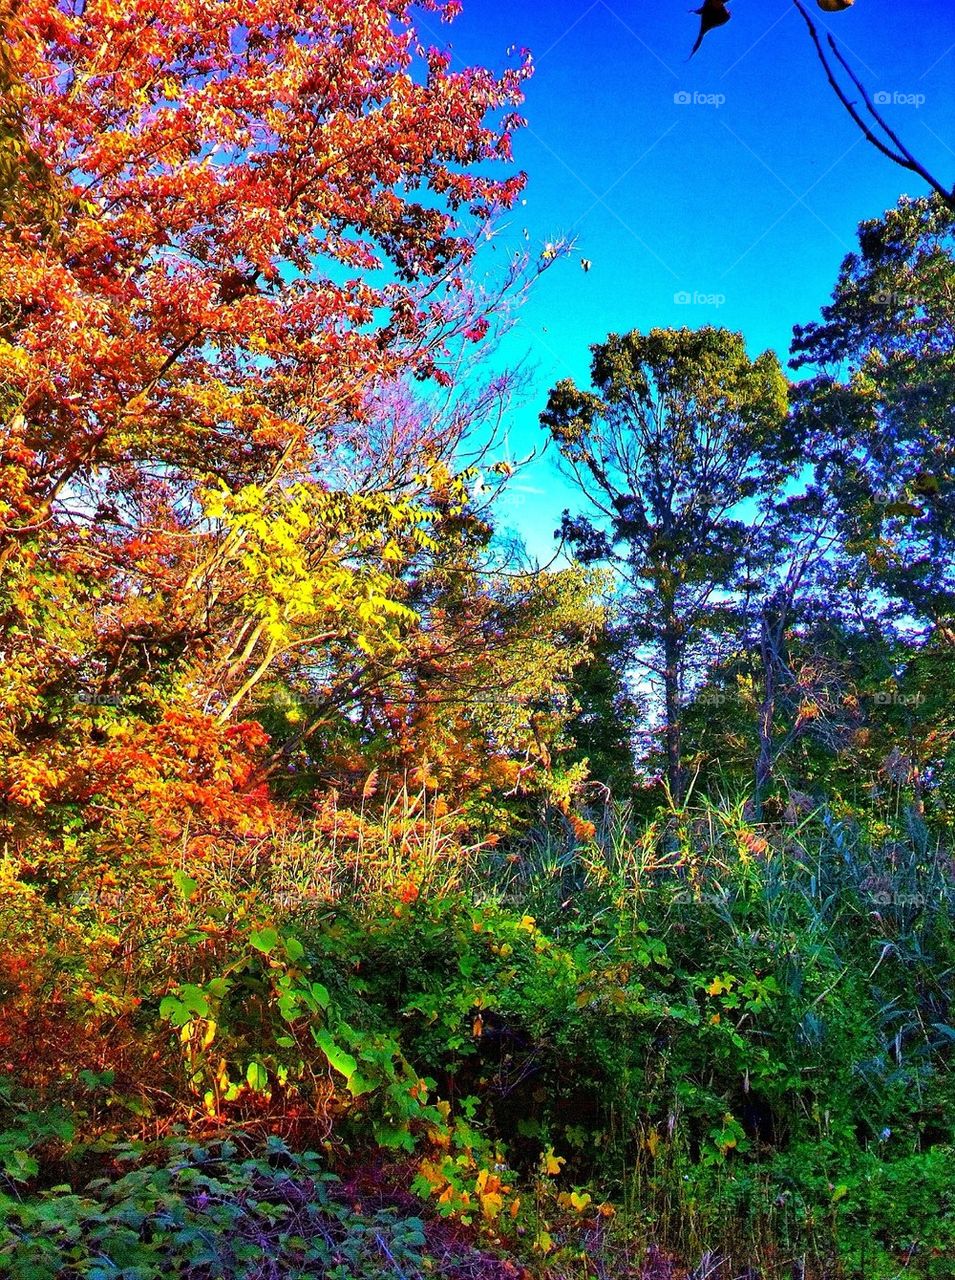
185 884
338 1057
264 940
257 1077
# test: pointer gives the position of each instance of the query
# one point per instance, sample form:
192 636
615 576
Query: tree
799 536
855 589
681 431
262 219
237 319
608 715
878 419
878 412
267 214
246 251
471 711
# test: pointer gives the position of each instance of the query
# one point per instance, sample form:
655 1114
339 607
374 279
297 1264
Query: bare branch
902 156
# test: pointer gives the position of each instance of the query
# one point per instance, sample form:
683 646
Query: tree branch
902 156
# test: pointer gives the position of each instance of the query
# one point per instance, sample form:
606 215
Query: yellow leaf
719 985
544 1242
491 1204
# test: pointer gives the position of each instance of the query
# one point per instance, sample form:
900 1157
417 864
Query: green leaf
393 1137
338 1057
320 995
359 1084
264 940
185 884
20 1165
257 1077
194 999
97 1080
288 1006
294 949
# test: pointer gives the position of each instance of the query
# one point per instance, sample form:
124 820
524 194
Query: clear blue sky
754 198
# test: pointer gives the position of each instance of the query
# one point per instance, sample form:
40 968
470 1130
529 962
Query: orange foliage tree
228 233
262 214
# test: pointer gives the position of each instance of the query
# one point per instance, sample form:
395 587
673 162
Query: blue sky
746 197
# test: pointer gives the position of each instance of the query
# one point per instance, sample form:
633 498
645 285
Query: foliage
317 808
728 1022
191 1209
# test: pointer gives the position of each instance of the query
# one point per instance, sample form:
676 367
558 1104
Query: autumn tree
474 710
681 430
265 217
241 434
236 180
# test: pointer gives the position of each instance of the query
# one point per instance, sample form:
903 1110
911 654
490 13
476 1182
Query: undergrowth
703 1043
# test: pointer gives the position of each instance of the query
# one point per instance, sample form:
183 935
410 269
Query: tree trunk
767 716
671 690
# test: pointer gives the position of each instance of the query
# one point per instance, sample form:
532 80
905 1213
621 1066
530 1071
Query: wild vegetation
373 901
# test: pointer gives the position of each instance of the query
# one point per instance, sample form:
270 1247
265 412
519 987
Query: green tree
879 412
680 439
608 715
